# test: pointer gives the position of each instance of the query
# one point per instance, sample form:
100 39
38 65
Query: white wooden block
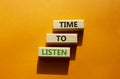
61 39
68 25
54 52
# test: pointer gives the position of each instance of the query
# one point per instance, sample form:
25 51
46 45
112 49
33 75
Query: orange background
25 23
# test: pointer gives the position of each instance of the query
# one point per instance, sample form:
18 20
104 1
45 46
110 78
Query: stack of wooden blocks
65 35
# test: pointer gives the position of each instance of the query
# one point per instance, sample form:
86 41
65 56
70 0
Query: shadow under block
68 25
62 39
62 52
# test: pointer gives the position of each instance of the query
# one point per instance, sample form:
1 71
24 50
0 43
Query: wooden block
54 52
68 25
61 39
